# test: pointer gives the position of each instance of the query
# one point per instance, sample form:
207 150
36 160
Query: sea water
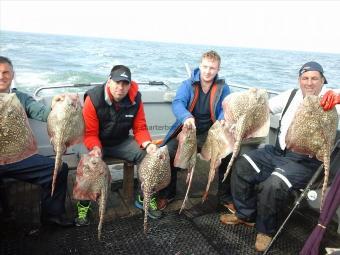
49 60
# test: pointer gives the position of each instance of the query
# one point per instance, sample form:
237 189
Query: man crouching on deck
110 112
197 105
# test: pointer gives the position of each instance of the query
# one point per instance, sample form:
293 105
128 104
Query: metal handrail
79 85
271 92
76 85
153 83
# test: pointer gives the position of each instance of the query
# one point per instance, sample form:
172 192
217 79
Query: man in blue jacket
197 105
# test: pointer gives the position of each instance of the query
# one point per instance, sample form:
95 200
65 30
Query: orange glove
329 100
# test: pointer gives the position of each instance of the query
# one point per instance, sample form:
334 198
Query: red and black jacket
109 125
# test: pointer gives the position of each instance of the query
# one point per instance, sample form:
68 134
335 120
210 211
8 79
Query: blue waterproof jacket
186 98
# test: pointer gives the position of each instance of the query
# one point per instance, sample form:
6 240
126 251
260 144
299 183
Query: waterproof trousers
224 188
261 182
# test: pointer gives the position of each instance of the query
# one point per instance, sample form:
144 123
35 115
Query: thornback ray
247 116
186 155
16 137
65 127
154 174
312 132
92 182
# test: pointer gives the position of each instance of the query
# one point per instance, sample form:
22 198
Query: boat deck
196 231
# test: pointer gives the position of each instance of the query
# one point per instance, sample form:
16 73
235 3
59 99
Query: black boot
58 220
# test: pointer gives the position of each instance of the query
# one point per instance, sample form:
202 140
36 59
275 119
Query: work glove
329 100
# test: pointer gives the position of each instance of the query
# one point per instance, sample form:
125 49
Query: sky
291 25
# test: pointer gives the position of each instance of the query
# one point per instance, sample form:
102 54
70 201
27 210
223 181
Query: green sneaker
153 211
82 219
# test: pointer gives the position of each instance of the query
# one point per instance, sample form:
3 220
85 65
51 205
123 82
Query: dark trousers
170 191
224 188
261 182
4 203
38 170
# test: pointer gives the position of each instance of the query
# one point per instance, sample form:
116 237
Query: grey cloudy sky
294 25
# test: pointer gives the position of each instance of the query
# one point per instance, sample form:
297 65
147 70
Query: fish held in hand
16 137
154 174
312 132
187 145
246 116
92 183
215 148
186 156
65 127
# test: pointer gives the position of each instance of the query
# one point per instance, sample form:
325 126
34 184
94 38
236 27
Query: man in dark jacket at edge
197 105
36 169
110 112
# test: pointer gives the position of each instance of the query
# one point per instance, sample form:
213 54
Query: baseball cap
312 66
120 73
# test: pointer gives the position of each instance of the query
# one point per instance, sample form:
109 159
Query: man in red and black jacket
110 112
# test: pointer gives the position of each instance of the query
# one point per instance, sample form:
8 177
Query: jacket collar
131 94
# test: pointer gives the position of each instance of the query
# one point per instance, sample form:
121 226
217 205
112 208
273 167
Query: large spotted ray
215 148
92 183
246 116
154 174
16 137
65 127
313 132
186 156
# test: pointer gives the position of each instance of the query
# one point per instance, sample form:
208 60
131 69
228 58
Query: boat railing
235 87
37 92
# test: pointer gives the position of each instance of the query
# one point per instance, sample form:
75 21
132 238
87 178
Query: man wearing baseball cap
331 98
312 66
110 112
274 169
